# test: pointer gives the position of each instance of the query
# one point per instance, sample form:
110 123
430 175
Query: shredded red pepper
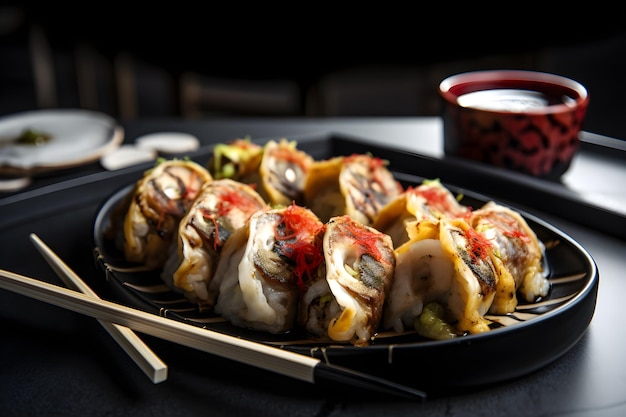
439 199
467 215
244 144
229 199
374 165
518 234
436 198
366 240
509 227
373 162
479 245
301 243
287 154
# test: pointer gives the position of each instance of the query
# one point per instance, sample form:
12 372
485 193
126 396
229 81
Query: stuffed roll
159 200
283 172
344 301
237 160
359 186
517 251
448 263
222 207
262 265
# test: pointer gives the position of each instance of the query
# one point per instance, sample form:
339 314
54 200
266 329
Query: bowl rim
456 85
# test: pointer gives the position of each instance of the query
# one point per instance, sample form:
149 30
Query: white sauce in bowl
510 100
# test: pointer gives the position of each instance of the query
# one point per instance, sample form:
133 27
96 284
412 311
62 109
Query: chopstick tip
350 377
159 375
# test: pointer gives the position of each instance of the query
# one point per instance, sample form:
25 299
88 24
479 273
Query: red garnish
376 168
366 240
290 155
300 241
479 245
433 196
509 226
467 215
374 162
518 234
244 144
439 199
229 199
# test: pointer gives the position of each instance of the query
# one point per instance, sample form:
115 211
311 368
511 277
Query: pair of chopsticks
143 356
266 357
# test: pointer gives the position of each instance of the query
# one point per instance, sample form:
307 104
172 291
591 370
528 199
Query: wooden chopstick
266 357
143 356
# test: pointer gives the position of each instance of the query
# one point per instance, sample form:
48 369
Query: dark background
309 60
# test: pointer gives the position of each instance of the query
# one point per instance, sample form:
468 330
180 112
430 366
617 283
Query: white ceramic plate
77 137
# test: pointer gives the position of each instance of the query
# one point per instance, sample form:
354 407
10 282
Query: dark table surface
56 362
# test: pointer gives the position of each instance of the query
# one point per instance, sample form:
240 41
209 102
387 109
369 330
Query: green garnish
231 160
33 137
432 324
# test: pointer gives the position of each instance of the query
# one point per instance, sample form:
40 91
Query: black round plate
533 336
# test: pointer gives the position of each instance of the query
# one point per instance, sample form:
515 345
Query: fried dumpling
258 275
517 250
221 207
428 201
159 200
283 172
448 263
344 301
237 160
359 186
